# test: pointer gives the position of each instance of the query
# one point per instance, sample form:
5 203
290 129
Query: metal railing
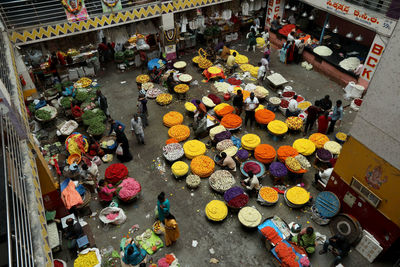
380 6
13 190
17 14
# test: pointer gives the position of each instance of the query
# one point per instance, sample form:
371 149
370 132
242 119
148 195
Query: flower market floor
230 243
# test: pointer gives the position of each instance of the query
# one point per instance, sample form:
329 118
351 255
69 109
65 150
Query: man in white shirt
292 109
261 73
290 37
250 105
323 175
252 181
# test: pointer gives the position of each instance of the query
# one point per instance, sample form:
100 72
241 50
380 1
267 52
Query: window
380 6
369 196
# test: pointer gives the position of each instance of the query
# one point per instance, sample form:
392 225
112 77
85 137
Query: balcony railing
18 14
380 6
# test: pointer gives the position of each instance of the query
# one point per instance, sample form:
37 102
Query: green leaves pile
43 115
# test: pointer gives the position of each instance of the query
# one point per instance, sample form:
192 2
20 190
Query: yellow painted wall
358 161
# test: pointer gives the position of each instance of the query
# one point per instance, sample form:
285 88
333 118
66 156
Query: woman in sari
283 52
290 53
106 190
171 229
162 206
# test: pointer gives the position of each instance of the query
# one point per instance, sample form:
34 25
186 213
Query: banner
75 10
274 9
111 5
356 14
374 56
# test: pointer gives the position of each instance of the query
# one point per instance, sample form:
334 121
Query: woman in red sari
290 53
323 122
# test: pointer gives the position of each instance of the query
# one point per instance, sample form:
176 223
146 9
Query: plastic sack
119 150
120 219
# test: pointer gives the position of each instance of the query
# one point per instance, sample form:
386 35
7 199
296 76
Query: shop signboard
374 55
357 14
274 9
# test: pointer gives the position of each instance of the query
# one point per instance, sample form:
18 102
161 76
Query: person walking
251 103
142 109
323 122
261 72
162 207
114 125
122 140
171 229
336 116
102 101
252 40
137 129
238 102
312 116
300 50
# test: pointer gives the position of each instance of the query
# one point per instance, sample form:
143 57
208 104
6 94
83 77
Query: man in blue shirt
336 116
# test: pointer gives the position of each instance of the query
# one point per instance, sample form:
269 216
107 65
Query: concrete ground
233 245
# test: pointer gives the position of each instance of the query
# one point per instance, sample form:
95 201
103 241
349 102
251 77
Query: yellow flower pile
172 118
304 146
179 132
241 59
204 63
216 210
333 147
196 59
294 123
246 67
180 168
164 99
85 82
260 107
203 166
179 64
293 164
207 102
250 141
268 194
341 136
142 78
297 195
304 105
214 70
194 148
181 88
277 127
216 130
86 260
190 107
261 92
260 41
318 139
249 216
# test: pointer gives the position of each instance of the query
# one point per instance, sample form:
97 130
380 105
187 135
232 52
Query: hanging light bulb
336 30
294 8
287 6
349 35
359 38
304 14
327 26
311 17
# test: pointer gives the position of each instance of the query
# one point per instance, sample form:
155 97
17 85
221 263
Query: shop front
343 41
